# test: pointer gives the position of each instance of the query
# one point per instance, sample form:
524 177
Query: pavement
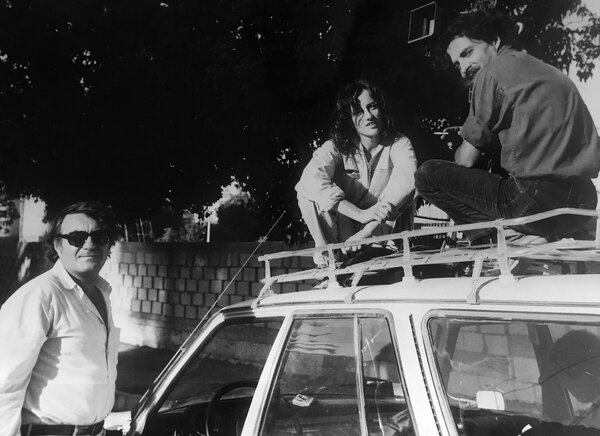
137 369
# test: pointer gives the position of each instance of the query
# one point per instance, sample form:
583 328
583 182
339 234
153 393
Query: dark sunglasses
78 238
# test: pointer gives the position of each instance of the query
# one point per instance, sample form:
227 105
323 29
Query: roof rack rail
406 258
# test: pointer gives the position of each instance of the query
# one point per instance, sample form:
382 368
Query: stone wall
162 290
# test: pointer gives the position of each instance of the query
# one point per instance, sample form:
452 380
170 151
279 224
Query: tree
138 103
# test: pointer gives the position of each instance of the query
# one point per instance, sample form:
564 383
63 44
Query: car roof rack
406 257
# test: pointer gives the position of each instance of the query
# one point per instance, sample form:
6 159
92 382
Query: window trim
358 372
482 315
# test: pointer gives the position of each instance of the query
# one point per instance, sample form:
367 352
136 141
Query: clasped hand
371 217
380 211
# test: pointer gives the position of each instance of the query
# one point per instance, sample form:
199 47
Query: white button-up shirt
58 360
331 176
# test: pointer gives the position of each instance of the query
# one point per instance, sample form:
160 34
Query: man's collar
68 283
506 48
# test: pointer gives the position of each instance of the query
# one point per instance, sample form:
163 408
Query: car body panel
408 306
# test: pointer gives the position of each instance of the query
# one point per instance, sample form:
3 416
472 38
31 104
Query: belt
61 429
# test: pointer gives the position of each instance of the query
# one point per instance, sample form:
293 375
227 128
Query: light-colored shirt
58 360
331 176
535 113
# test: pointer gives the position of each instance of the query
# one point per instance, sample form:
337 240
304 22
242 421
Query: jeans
470 195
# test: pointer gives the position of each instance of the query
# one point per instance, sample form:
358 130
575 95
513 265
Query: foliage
235 216
187 229
8 211
142 103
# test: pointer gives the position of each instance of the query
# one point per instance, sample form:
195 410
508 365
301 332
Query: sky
590 90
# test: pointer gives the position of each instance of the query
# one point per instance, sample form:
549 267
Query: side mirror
490 400
117 423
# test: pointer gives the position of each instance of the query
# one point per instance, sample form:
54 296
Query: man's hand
450 136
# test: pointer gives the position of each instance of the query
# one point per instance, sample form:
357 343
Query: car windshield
514 377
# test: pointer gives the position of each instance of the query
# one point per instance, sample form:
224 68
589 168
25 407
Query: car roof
573 289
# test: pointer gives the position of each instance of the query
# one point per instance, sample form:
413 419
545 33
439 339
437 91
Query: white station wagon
494 354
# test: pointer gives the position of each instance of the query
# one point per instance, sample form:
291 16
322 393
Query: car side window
328 367
213 392
519 376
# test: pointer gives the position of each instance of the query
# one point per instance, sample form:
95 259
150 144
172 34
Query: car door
210 391
338 374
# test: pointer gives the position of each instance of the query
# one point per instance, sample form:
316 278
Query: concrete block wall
162 290
494 357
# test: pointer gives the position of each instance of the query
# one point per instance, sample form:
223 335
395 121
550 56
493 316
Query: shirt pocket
381 176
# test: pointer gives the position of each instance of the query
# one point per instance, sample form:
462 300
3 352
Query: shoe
320 260
460 269
323 285
486 239
524 240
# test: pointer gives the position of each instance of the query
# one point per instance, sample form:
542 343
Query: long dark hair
343 133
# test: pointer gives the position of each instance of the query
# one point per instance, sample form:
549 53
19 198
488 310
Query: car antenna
183 346
261 240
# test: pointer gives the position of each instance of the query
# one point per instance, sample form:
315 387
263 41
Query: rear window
511 377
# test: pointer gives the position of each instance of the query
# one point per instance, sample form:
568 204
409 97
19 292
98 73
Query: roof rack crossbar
473 297
500 253
453 256
503 222
406 264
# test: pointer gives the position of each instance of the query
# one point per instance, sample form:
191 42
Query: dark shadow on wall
20 261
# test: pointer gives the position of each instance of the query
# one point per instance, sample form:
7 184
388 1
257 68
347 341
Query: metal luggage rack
406 257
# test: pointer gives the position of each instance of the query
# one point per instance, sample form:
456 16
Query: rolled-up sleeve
316 183
24 323
485 112
401 186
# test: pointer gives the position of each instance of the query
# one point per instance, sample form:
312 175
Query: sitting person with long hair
360 183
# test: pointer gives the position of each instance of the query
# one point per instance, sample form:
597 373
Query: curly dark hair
484 26
577 347
343 133
94 209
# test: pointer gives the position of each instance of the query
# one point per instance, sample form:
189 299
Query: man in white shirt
57 338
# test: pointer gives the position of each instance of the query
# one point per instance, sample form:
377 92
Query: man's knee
427 174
